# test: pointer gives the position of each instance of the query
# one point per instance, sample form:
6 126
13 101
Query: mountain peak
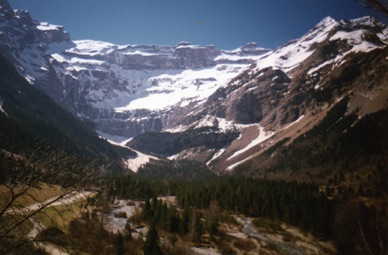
4 4
327 21
324 26
5 9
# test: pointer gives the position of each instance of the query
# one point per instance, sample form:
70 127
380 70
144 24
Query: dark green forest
297 204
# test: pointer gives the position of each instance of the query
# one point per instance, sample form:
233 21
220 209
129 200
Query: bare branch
20 200
364 239
379 5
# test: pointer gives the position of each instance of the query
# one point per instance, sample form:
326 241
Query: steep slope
124 89
127 90
222 108
289 90
340 145
32 125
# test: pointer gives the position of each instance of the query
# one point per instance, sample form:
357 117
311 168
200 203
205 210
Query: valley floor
243 236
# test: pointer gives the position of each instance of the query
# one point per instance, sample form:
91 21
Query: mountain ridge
178 91
40 132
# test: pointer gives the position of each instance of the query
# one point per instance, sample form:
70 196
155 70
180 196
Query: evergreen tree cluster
182 169
297 204
172 219
300 205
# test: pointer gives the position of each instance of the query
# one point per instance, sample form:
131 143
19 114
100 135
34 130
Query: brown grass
37 194
60 216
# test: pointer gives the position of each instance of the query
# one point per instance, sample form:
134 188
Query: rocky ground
241 236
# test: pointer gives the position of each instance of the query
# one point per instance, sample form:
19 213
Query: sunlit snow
263 136
355 38
296 121
231 167
1 107
141 159
289 56
215 156
181 87
131 163
44 26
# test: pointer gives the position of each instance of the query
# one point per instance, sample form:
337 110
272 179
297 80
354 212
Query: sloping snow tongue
135 163
263 136
1 107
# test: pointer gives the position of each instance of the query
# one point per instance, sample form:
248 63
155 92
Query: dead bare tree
21 204
379 5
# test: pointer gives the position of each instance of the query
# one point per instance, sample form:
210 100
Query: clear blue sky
227 24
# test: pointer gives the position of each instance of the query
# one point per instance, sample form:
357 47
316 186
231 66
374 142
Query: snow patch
177 129
263 136
215 156
58 57
92 62
140 160
91 48
114 139
296 121
1 107
173 157
44 26
357 40
132 163
226 125
231 167
30 79
313 70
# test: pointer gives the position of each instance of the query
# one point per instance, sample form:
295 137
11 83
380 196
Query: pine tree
128 231
197 227
172 222
184 222
151 245
119 244
147 212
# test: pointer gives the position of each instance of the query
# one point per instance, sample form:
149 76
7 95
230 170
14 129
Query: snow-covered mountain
125 89
216 106
285 93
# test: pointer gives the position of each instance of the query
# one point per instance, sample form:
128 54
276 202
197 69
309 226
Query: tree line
297 204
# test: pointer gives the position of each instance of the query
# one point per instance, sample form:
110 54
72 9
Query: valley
191 149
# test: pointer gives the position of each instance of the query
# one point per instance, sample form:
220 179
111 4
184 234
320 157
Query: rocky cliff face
115 85
305 75
289 90
112 84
